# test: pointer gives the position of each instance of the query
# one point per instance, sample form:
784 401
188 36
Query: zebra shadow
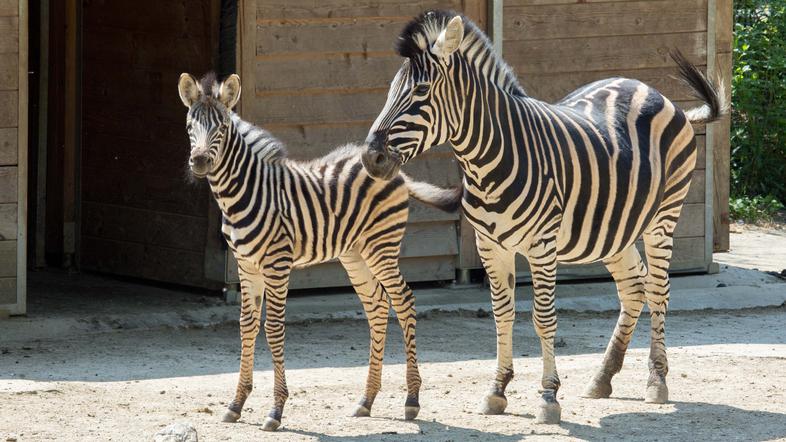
695 421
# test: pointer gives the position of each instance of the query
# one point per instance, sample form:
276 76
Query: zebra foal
280 214
578 181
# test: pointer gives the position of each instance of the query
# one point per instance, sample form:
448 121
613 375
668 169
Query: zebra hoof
598 388
411 412
493 404
549 413
271 424
361 411
657 393
230 417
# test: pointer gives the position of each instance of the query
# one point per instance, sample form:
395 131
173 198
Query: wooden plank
170 18
557 2
22 180
140 50
697 187
9 71
9 35
8 221
9 108
552 87
430 239
691 222
9 8
8 146
310 76
701 152
7 259
304 9
724 26
603 53
172 193
583 20
7 291
326 108
8 184
477 11
143 226
721 164
143 261
368 34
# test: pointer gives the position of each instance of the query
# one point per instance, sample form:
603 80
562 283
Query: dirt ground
728 371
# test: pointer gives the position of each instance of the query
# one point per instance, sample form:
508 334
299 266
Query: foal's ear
188 89
449 39
229 92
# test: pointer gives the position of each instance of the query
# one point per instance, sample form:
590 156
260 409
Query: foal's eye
421 89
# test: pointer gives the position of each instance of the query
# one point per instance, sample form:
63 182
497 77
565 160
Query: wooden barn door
140 215
316 74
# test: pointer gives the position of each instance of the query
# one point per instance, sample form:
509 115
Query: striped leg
500 267
628 272
658 247
375 304
542 258
252 287
384 265
277 279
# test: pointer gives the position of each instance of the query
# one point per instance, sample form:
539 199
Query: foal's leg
658 246
252 287
375 304
384 265
628 272
501 269
542 257
276 274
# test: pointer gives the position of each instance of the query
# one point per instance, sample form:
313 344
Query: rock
179 432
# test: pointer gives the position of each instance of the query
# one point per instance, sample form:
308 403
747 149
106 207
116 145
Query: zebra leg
500 267
658 247
375 304
277 278
542 258
252 289
628 272
385 268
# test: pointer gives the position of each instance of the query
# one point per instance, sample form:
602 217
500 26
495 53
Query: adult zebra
575 182
280 214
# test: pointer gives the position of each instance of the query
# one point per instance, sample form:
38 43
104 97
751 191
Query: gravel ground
728 371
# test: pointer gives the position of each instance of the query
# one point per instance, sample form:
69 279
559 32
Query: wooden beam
721 146
21 236
43 137
72 121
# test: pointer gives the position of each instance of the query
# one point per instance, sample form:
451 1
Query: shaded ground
727 375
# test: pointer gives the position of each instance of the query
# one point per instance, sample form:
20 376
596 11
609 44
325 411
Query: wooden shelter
106 188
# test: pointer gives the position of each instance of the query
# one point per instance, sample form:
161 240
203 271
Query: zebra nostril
378 158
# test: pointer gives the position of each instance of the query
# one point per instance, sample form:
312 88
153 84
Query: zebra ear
229 92
188 89
449 39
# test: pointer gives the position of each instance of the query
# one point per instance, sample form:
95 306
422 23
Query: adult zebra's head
423 106
208 118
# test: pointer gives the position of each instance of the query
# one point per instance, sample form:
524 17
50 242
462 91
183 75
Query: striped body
280 214
578 181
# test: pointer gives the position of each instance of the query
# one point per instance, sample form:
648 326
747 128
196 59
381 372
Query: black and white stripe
578 181
280 214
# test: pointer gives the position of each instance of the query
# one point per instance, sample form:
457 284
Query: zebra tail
713 95
448 199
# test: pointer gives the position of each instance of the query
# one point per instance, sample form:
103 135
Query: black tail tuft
713 95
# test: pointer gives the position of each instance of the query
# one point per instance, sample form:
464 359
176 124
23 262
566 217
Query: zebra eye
421 89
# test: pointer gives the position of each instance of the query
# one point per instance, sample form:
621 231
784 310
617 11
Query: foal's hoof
598 388
361 411
271 424
493 404
411 412
549 413
657 393
230 417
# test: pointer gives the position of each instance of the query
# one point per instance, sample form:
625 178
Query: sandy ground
728 371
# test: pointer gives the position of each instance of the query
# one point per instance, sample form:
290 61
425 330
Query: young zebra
280 214
574 182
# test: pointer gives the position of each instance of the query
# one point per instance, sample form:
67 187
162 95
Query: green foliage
756 209
758 133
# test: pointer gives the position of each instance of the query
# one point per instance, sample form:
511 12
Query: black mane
209 84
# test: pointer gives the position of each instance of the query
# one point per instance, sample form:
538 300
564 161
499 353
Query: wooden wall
140 215
316 74
555 46
13 153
